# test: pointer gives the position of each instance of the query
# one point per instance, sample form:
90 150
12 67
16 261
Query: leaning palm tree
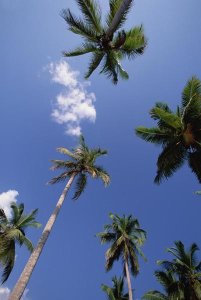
187 268
178 132
108 44
117 291
79 167
12 232
125 237
171 287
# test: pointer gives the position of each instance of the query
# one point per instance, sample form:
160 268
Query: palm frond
170 119
8 261
153 135
194 160
102 174
81 183
83 49
66 152
63 176
114 7
92 13
77 26
29 220
171 158
191 100
96 59
135 42
110 66
154 295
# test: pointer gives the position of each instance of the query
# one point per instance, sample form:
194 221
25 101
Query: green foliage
180 277
125 237
117 291
179 133
106 50
12 232
82 165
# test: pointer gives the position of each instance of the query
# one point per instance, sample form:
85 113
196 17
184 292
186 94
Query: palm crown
126 237
12 231
178 132
82 164
108 49
187 269
117 291
170 285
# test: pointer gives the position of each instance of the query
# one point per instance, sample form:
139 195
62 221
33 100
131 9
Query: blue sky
33 35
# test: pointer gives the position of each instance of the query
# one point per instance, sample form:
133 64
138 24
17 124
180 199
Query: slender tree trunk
26 274
123 7
130 293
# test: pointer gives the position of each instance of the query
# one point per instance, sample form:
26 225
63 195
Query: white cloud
75 103
5 293
6 199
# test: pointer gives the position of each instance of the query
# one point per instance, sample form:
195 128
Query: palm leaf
81 183
114 7
154 295
66 152
77 26
153 135
170 119
194 160
83 49
8 261
92 14
94 63
171 158
110 66
191 98
135 42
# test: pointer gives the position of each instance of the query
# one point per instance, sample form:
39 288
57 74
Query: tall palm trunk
130 293
123 7
26 274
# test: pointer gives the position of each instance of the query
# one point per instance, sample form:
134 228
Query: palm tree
178 132
12 232
108 44
187 268
170 285
125 237
117 291
79 167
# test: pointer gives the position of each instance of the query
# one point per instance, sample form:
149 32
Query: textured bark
26 274
130 293
117 17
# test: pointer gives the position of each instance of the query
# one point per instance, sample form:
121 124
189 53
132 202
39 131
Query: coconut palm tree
79 167
125 237
12 232
178 132
117 291
108 44
187 269
170 285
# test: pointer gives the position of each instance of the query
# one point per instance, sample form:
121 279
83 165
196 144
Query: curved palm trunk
26 274
130 293
117 17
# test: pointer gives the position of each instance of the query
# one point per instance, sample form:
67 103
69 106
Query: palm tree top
108 47
178 132
117 291
125 236
13 230
81 164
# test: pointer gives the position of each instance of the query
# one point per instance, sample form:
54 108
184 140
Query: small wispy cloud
6 199
74 104
5 293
